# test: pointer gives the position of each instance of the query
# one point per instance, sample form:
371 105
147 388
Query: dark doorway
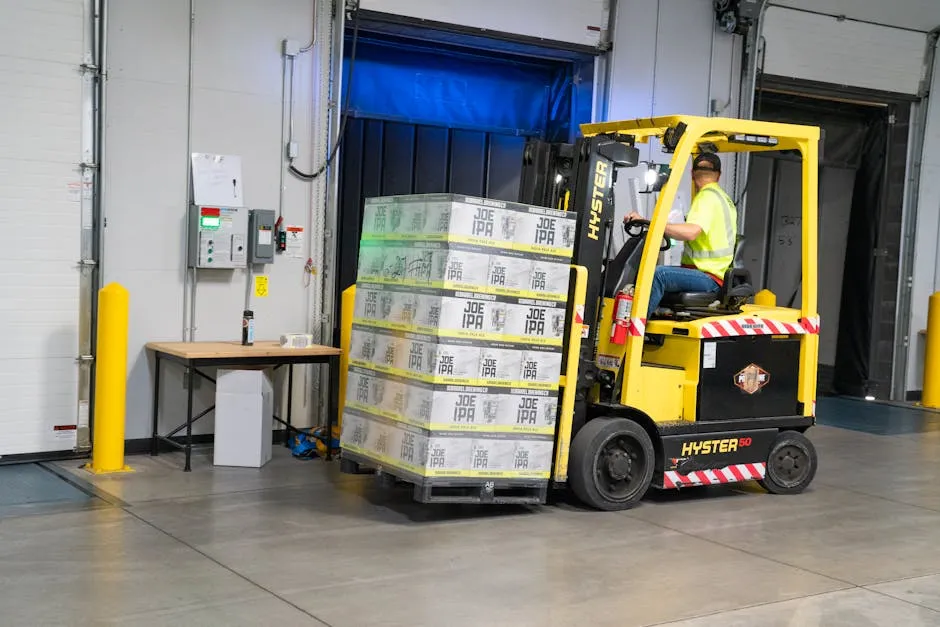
861 181
434 112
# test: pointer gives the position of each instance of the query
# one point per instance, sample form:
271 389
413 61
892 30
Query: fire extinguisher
623 307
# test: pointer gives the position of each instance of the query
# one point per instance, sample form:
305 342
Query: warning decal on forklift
752 379
709 354
729 474
758 326
579 319
608 362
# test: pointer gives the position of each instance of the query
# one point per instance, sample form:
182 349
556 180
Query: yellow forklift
711 389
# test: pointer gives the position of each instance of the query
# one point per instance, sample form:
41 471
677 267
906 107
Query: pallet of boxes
456 346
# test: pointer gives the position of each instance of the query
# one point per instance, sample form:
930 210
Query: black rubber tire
791 464
600 443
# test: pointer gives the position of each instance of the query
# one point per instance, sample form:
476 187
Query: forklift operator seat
734 292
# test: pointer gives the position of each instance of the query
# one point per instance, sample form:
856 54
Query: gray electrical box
218 237
261 236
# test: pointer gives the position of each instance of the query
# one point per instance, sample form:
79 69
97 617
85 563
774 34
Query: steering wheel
638 228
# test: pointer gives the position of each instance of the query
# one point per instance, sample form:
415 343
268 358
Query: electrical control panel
218 237
261 236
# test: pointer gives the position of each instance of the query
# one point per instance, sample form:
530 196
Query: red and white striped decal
637 327
714 476
811 325
759 326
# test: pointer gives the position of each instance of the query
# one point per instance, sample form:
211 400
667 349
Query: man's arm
682 231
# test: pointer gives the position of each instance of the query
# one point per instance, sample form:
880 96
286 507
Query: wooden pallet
456 490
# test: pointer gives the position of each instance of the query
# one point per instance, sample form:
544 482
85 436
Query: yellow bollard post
107 445
348 304
931 397
765 298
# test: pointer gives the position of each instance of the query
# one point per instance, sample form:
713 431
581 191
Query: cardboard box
389 307
459 268
462 267
528 410
510 457
394 216
468 219
509 273
440 407
548 280
540 368
361 346
545 230
535 321
446 454
472 315
500 366
244 406
371 262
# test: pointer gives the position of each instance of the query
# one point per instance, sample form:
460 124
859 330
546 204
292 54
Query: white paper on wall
217 180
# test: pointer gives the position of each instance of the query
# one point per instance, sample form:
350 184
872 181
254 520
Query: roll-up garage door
41 201
822 48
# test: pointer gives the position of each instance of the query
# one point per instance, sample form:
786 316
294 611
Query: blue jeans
677 279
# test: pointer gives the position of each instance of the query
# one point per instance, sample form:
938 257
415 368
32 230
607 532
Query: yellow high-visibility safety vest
713 250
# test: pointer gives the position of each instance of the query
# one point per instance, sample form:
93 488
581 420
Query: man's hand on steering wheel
636 225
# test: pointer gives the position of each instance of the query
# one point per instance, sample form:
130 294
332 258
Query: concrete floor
297 543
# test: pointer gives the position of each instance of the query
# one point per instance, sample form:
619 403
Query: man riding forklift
709 236
715 390
710 389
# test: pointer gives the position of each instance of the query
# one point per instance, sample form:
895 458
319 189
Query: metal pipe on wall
329 332
603 64
904 331
711 61
746 106
191 278
93 233
323 99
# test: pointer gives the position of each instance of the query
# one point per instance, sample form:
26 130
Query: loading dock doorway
863 155
437 110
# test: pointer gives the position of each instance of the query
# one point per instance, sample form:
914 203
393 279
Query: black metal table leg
290 402
333 406
190 381
154 442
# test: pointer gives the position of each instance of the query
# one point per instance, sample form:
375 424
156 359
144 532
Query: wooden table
193 355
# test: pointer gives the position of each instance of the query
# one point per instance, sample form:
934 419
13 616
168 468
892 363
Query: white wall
668 58
926 237
237 70
572 21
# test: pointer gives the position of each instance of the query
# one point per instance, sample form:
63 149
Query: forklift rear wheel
611 463
791 464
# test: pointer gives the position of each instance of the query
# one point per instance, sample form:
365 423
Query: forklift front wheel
611 463
791 464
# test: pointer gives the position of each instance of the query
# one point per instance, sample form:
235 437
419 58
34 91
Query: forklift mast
580 177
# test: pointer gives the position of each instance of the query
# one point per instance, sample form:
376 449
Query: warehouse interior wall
669 58
926 268
236 110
